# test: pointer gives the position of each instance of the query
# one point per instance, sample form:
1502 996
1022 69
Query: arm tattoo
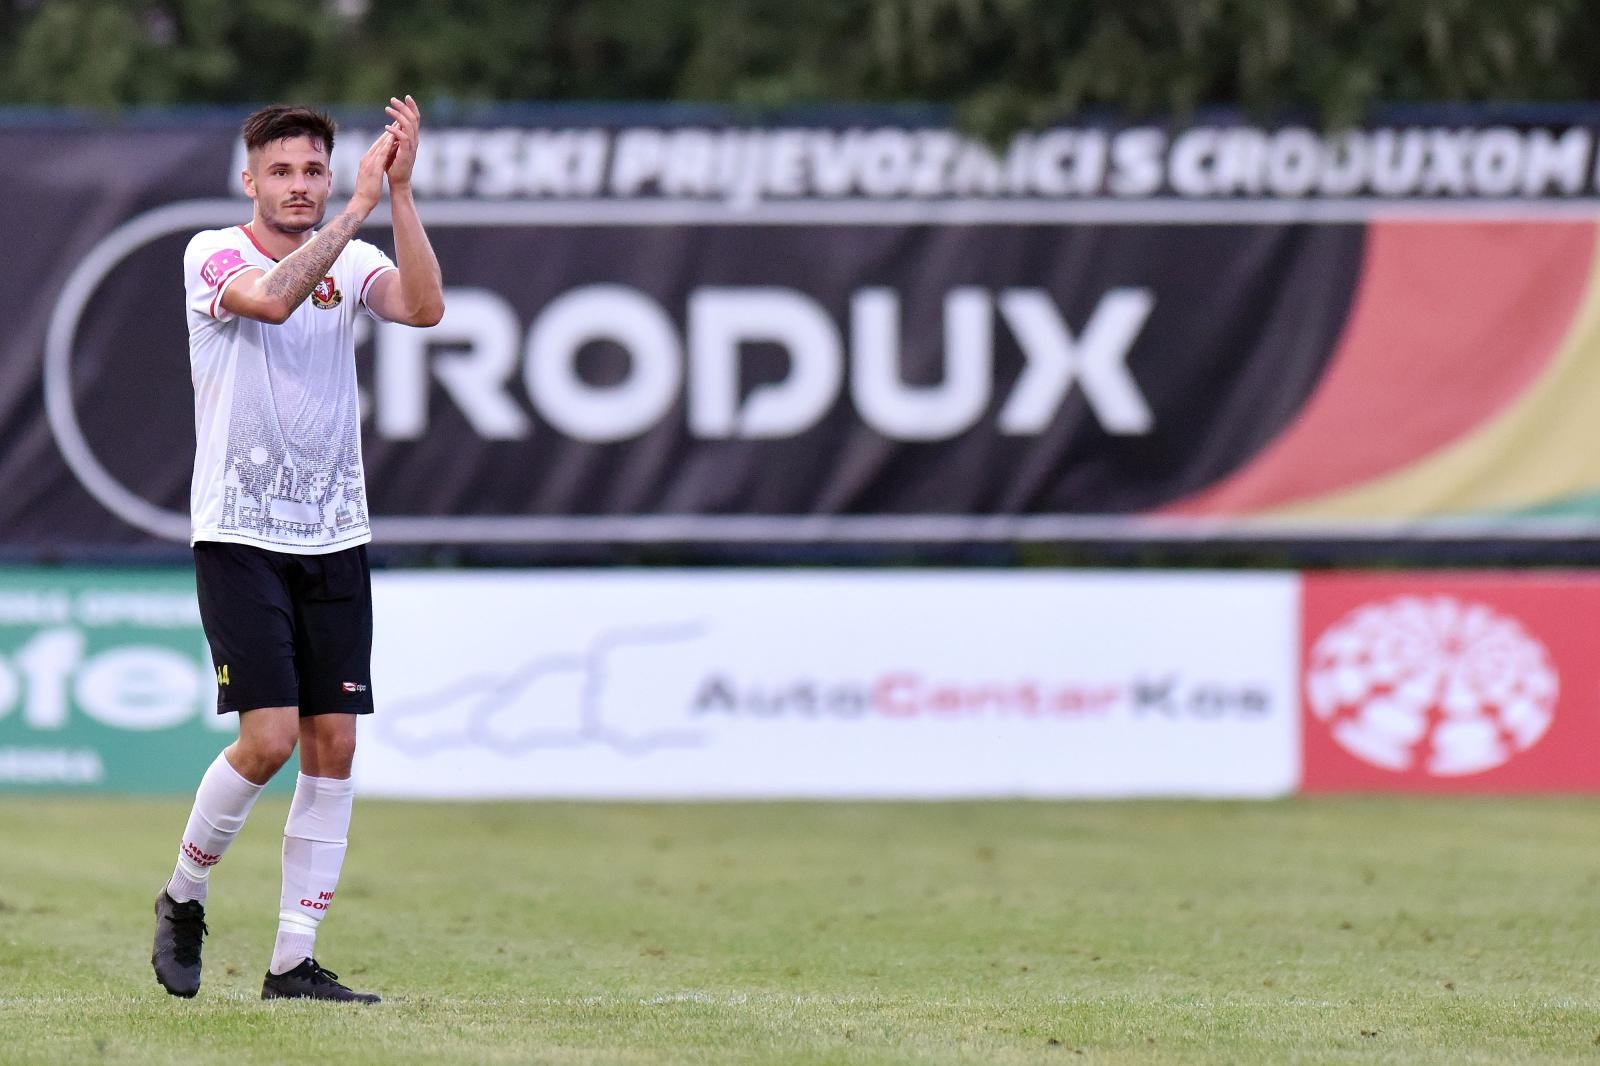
301 270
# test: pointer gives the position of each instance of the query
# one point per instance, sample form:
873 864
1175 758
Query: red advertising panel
1451 682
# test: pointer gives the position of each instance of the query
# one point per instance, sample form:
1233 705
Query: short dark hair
274 123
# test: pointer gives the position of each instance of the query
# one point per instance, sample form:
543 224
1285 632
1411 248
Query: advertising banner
836 684
671 326
1451 683
105 682
832 684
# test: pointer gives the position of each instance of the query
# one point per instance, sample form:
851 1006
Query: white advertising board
711 684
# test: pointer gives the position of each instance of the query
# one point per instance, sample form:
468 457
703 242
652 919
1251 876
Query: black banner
721 333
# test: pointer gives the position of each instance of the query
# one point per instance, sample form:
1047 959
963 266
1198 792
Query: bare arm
416 296
272 296
413 294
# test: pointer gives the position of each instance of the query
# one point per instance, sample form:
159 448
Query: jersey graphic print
294 465
277 415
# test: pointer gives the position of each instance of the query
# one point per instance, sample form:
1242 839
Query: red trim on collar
252 236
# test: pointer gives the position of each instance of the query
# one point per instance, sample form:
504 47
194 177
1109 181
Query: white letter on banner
1497 163
1136 162
638 159
499 163
454 159
722 319
1193 164
932 412
1397 161
1558 162
1294 161
1344 168
139 687
687 164
603 313
481 323
887 163
1447 163
47 660
10 688
1054 360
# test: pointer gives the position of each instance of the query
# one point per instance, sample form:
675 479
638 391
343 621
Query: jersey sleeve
370 264
211 263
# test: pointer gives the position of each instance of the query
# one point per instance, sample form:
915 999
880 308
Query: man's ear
249 183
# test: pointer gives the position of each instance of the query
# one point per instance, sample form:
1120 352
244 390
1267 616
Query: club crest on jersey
325 295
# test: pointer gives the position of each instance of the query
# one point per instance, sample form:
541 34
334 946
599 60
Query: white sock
314 840
221 804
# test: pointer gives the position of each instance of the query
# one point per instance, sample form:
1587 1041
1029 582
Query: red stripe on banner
1451 321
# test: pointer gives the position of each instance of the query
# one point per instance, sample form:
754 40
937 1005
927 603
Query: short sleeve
370 264
211 263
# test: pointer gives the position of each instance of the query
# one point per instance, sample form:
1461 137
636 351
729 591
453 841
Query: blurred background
912 398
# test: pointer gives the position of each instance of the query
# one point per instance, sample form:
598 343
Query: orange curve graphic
1452 320
1538 450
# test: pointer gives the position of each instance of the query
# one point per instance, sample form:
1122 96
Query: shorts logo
222 674
325 295
353 686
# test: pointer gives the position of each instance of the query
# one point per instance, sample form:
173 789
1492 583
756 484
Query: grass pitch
1332 931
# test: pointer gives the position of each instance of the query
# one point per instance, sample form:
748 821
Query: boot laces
319 974
188 929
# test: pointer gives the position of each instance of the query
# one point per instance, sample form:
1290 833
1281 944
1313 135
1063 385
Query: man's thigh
333 616
248 615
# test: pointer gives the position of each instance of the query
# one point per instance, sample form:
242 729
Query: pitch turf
1343 931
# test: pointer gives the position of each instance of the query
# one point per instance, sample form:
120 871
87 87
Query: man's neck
276 243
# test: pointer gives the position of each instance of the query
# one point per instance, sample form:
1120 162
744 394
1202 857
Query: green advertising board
106 683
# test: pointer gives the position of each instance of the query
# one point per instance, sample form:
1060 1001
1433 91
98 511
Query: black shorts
287 630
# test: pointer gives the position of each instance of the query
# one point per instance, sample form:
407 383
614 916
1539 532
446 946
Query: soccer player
279 512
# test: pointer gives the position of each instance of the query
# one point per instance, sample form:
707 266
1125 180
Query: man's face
289 180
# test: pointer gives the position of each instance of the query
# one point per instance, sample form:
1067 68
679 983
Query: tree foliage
1001 63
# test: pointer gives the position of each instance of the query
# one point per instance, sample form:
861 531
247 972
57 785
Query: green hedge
1002 63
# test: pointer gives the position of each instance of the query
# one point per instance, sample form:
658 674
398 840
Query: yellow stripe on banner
1542 447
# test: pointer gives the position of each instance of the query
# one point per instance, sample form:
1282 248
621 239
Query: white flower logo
1432 683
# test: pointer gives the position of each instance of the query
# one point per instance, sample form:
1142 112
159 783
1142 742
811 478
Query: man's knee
339 753
266 741
330 752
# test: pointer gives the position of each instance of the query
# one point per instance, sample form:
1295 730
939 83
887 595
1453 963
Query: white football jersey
277 419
